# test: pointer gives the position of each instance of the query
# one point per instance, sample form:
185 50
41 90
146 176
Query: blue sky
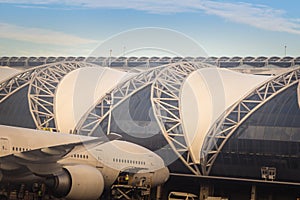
77 27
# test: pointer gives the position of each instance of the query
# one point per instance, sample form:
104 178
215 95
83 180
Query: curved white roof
205 95
7 72
79 90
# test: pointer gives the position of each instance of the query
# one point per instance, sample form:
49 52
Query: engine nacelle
78 182
153 179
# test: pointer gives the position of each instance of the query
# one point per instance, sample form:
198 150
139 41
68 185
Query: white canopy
205 95
7 72
79 90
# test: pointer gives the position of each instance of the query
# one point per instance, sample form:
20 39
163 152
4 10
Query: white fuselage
110 158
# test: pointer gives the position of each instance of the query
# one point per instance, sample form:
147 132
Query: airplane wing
44 161
40 161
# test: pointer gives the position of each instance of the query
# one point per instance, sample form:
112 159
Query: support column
205 191
158 192
253 192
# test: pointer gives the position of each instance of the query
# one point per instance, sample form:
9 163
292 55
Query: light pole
285 50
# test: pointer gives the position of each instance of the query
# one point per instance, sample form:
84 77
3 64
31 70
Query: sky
219 27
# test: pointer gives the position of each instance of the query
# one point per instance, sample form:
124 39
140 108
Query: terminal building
205 118
223 62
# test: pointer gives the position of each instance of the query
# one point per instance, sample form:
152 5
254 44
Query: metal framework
226 125
41 92
224 61
166 103
15 83
112 99
166 82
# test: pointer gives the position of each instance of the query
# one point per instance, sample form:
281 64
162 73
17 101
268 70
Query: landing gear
130 192
124 188
23 191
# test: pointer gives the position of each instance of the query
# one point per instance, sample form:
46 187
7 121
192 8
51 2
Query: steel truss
166 104
42 89
112 99
166 82
228 123
15 83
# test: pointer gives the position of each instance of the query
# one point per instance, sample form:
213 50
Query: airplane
75 166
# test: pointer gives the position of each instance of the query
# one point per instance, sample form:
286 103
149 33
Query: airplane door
4 146
99 157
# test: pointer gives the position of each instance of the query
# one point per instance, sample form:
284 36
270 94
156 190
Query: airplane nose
160 176
165 173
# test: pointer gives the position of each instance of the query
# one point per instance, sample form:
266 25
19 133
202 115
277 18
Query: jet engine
77 182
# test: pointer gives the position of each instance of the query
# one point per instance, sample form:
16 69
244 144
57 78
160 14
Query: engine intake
78 182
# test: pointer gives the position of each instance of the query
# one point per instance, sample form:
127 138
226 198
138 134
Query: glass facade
270 137
135 121
14 111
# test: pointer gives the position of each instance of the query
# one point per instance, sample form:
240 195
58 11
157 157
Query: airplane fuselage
75 165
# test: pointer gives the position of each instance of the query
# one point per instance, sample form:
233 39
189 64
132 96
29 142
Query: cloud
33 6
41 36
44 51
152 6
259 16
